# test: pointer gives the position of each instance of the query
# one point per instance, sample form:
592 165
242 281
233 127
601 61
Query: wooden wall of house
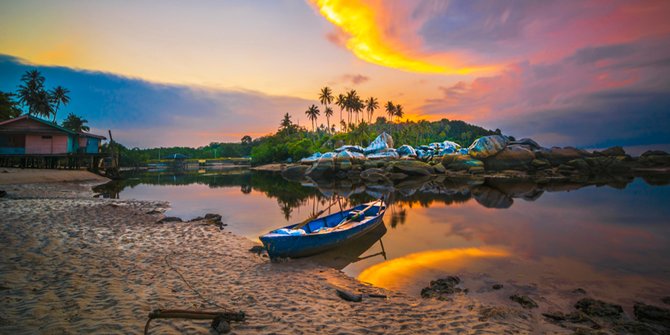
29 126
47 144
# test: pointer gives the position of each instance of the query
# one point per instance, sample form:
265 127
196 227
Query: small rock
170 219
497 286
540 164
153 212
3 193
599 308
666 300
579 291
613 151
257 249
440 287
213 217
524 301
654 153
221 325
652 314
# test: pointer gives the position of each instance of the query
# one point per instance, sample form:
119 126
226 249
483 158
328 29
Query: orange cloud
366 28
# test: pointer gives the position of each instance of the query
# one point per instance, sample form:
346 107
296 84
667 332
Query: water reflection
611 239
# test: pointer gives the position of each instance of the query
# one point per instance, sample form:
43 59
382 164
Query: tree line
354 105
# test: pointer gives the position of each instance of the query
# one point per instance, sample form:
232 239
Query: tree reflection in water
424 191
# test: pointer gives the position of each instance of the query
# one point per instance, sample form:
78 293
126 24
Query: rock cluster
494 154
442 288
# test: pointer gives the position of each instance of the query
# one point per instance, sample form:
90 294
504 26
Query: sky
586 73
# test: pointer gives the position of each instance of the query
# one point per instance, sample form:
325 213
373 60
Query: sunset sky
162 73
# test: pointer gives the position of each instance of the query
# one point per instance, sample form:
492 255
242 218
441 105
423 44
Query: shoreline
74 263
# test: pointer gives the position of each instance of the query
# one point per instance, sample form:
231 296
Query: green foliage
75 123
301 143
9 108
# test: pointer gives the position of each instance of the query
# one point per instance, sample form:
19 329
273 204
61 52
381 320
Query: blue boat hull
310 244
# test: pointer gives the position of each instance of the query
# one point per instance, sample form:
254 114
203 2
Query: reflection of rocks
490 197
295 172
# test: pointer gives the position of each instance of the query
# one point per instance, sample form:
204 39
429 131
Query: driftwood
218 317
348 296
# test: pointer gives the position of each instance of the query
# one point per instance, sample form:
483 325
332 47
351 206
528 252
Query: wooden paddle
311 218
362 212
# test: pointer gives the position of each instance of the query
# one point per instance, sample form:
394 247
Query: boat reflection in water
351 251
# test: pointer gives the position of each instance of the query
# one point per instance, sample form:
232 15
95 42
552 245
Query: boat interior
344 219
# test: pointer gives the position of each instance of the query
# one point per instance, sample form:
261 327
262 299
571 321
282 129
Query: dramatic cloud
381 33
597 96
142 113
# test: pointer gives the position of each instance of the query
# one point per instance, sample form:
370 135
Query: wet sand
70 263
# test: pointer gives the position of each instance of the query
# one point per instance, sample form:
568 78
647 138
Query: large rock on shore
322 168
527 143
412 168
460 162
613 151
487 146
557 156
655 158
512 157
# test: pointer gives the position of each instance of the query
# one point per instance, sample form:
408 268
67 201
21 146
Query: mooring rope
167 261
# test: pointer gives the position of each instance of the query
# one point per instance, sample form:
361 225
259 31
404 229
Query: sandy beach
72 263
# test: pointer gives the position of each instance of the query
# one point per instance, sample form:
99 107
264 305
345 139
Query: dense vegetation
293 142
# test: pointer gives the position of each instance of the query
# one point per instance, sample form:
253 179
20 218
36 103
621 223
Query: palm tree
351 101
59 95
29 92
370 105
341 102
359 107
398 112
75 123
390 110
328 112
326 96
42 104
313 113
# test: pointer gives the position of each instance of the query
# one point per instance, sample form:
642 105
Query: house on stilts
28 141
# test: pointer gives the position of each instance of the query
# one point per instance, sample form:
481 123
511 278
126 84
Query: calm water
614 241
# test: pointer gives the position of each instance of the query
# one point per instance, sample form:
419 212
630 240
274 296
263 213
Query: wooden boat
324 233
